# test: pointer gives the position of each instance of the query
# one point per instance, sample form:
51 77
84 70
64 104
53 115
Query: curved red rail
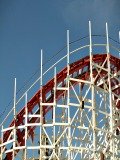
74 67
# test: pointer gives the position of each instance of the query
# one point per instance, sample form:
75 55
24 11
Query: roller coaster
72 111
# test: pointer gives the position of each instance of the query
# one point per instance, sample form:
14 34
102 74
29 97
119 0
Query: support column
92 94
54 106
26 131
14 111
110 94
41 108
68 97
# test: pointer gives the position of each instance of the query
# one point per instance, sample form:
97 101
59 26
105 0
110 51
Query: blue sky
26 26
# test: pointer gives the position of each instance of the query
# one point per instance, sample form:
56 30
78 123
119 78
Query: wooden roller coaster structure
74 115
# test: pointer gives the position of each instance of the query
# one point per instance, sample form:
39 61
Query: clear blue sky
26 26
